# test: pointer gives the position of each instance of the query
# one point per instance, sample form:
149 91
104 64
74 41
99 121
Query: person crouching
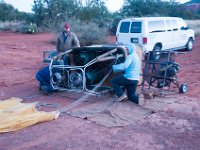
129 79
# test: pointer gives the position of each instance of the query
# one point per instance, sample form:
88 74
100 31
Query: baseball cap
67 25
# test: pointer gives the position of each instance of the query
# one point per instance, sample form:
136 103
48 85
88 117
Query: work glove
114 69
117 56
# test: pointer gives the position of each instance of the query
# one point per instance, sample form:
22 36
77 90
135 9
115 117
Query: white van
156 33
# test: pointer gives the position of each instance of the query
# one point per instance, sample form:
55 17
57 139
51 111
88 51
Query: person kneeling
43 76
128 80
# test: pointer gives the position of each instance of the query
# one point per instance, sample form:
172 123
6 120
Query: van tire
155 55
189 45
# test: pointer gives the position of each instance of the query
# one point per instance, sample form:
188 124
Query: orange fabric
15 115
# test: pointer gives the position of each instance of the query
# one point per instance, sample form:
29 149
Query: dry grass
11 25
195 25
16 26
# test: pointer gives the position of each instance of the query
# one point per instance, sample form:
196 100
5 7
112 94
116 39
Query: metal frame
156 73
67 69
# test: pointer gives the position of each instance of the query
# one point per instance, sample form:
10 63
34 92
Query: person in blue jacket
66 40
129 79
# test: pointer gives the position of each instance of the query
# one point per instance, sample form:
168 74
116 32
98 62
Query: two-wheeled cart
160 73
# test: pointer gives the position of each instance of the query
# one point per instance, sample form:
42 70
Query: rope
48 105
65 110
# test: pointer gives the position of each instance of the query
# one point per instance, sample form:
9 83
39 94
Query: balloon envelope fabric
15 115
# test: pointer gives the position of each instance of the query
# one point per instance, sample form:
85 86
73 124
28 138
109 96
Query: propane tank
56 78
83 57
75 79
93 77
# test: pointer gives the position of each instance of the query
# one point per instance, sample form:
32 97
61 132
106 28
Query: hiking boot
136 99
46 89
121 98
139 99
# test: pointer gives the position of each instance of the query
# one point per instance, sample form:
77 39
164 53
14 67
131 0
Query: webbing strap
65 110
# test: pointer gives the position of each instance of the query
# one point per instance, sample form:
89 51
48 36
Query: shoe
111 91
46 89
121 98
139 99
136 99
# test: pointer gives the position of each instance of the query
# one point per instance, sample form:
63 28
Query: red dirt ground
21 57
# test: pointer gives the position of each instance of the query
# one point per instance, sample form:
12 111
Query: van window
183 25
124 28
156 26
174 25
136 27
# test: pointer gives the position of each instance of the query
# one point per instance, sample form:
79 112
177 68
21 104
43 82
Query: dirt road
176 126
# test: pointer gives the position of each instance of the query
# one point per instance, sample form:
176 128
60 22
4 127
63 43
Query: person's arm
76 41
123 66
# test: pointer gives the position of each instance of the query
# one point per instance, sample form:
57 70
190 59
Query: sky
26 5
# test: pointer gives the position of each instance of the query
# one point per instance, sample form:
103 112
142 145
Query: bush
31 28
194 24
87 33
11 26
91 33
113 27
18 26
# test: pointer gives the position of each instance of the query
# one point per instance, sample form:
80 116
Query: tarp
15 115
109 113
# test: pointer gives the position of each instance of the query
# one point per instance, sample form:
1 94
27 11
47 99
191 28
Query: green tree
9 13
93 10
48 12
139 8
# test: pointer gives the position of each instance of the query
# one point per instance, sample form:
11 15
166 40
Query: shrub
194 24
91 33
88 33
30 28
11 26
18 26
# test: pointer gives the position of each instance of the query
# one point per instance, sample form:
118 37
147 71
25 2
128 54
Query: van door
136 30
169 39
123 31
175 33
157 34
183 32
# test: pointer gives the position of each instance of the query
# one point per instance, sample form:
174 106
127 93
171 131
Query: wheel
155 54
189 45
183 88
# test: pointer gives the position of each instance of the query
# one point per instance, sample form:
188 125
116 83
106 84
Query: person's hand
117 56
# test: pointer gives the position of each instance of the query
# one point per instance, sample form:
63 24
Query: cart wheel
183 88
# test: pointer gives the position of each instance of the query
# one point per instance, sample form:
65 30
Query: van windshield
136 27
124 28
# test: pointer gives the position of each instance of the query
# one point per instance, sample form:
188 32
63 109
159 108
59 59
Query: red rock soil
21 58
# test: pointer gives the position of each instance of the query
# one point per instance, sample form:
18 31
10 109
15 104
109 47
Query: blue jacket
131 66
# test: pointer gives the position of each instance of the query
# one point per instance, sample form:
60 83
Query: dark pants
131 85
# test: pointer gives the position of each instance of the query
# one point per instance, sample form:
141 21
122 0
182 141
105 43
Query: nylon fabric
15 115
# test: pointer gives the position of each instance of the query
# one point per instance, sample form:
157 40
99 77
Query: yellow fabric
15 115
